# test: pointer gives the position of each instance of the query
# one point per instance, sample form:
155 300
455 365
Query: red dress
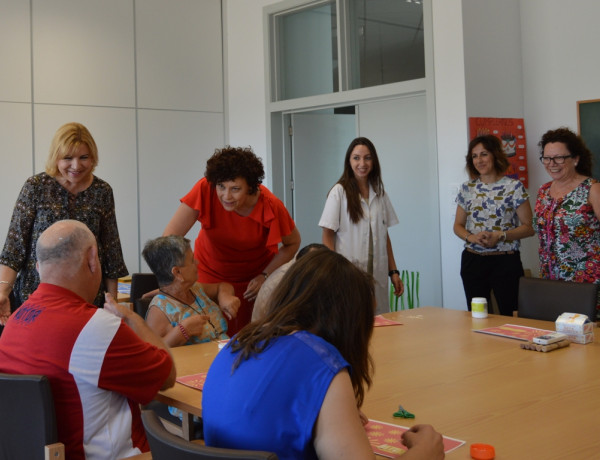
234 248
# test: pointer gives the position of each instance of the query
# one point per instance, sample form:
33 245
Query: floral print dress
569 235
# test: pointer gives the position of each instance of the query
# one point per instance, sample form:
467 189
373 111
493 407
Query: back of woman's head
325 294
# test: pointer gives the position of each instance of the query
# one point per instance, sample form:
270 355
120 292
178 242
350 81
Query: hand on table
424 441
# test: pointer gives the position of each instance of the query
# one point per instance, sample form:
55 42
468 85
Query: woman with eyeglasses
184 311
492 216
567 210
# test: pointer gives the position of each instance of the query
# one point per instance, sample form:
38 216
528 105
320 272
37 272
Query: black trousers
500 273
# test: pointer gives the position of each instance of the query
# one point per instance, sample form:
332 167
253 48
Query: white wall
145 76
451 122
561 65
245 87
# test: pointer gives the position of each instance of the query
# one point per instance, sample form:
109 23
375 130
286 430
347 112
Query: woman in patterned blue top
184 311
492 215
290 383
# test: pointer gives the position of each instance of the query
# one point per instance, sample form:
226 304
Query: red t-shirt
99 370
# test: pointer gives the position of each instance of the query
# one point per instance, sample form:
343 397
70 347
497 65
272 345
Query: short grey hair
163 253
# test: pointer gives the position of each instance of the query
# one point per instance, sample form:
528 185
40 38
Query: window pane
306 51
386 42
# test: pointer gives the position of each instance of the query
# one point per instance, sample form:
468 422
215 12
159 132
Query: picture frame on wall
588 127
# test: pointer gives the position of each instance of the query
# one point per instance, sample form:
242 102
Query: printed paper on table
381 321
513 331
386 439
195 380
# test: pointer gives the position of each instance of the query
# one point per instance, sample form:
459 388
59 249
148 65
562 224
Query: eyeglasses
558 160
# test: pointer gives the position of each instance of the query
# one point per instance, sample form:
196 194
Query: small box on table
576 326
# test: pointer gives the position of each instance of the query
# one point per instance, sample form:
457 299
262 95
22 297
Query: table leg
187 425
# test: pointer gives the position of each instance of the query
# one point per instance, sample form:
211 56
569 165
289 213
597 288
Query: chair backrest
167 446
547 299
27 417
140 284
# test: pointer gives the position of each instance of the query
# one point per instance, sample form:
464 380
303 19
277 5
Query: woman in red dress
243 224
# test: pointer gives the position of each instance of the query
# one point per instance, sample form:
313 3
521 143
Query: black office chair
27 418
547 299
167 446
140 284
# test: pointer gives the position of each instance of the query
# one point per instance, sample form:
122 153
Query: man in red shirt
101 363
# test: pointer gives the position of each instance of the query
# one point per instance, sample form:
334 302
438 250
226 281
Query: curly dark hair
229 163
574 144
493 145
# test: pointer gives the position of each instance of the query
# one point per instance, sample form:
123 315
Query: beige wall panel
173 149
15 55
83 52
16 156
179 54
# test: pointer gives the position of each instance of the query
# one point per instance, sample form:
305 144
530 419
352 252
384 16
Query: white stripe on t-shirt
106 415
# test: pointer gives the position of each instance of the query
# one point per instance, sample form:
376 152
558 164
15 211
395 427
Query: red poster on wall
511 131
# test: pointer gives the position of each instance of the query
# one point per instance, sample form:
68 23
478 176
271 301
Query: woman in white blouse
356 217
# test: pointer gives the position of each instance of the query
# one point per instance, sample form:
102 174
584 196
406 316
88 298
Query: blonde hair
67 139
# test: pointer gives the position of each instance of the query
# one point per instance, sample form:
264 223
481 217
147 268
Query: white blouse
352 240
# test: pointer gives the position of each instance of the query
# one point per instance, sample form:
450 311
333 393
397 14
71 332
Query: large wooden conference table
475 387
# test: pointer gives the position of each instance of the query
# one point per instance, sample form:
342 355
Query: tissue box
576 326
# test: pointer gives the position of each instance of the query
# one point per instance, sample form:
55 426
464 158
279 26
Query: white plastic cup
479 307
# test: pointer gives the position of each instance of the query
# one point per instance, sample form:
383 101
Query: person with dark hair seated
261 303
291 382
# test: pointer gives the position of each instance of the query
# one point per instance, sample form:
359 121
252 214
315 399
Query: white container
479 307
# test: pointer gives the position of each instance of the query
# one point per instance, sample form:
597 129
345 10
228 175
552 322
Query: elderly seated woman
185 312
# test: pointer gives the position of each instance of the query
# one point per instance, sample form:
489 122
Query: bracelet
183 332
467 237
265 274
7 282
502 237
394 272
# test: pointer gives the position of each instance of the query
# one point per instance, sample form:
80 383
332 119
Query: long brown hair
325 294
349 183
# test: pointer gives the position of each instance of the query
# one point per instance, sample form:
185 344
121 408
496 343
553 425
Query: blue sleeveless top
272 400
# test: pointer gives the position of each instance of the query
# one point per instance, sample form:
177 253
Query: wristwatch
502 237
